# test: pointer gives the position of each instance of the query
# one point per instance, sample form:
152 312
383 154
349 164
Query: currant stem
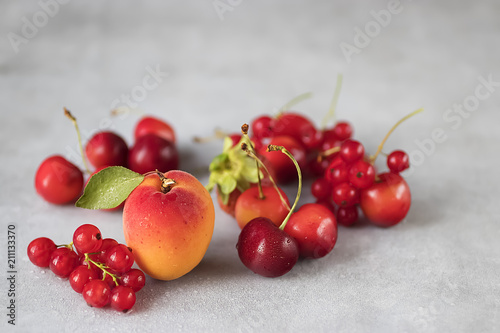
102 267
381 145
333 105
328 152
244 147
69 246
73 120
299 173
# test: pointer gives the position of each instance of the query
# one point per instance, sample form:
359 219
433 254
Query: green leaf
109 188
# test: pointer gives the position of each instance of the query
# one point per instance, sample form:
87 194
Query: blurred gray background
209 64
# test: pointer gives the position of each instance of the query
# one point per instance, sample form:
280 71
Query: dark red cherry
107 149
151 153
265 249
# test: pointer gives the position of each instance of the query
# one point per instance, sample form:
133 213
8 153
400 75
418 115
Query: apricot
168 221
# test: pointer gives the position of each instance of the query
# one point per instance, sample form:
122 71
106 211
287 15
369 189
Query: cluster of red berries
59 181
350 179
273 236
345 176
100 269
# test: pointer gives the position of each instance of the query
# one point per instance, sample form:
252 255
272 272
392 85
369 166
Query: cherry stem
299 173
381 145
218 134
102 267
295 101
244 147
333 105
244 131
73 120
166 183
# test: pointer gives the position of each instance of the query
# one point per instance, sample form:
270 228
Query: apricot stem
333 105
294 101
73 120
166 183
381 145
244 147
299 173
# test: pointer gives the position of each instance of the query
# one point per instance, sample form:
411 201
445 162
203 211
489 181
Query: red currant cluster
100 269
59 181
350 179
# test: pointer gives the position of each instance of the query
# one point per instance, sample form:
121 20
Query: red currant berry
152 125
321 188
134 279
96 293
345 195
351 151
58 181
107 243
262 127
40 250
330 140
106 149
337 172
80 276
122 298
343 130
361 174
151 153
63 261
398 161
347 215
87 238
119 258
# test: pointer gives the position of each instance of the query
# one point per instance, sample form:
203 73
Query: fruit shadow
190 162
220 263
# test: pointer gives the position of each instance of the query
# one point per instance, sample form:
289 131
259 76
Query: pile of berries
99 269
59 181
